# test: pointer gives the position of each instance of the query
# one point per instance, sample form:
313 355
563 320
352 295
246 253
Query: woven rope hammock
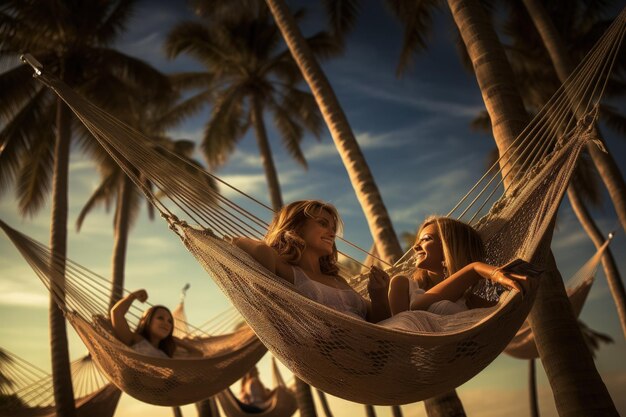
345 357
282 402
578 286
160 381
29 391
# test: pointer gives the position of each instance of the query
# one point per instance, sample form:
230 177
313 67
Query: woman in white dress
300 248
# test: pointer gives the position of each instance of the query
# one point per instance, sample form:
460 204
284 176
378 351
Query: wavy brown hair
167 345
282 233
461 243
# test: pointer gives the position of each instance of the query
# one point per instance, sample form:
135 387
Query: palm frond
290 132
118 16
34 179
182 110
342 15
191 80
613 119
103 194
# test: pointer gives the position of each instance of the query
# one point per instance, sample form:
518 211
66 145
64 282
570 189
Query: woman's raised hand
140 295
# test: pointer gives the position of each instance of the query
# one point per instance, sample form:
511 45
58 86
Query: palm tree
248 74
360 176
72 40
582 27
568 370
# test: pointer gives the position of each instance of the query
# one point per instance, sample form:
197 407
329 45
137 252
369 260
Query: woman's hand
510 280
140 295
378 284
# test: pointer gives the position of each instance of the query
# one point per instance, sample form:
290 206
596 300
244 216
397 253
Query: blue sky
415 135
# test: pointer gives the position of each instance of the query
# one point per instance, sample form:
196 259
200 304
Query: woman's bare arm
266 256
454 287
118 320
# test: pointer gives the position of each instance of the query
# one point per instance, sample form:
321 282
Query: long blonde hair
282 233
461 244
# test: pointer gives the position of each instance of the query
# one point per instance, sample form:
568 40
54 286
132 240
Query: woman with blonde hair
449 262
299 247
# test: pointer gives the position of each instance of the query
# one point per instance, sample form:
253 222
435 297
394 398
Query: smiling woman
153 336
299 247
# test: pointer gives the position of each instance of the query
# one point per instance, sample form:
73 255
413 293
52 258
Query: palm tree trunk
266 155
208 408
532 389
445 405
370 411
396 411
61 376
322 397
122 225
613 278
604 162
576 384
304 399
360 176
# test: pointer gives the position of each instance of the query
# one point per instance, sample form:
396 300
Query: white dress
347 301
145 348
421 320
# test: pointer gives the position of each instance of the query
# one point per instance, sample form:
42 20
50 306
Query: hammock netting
281 403
577 287
28 390
345 357
160 381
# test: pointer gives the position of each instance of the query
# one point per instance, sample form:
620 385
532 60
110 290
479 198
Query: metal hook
32 61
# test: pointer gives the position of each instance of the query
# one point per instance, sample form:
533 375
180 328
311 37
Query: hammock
160 381
282 402
30 392
523 344
343 356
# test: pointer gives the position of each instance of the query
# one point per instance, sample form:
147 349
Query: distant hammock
154 380
578 286
282 401
30 391
352 359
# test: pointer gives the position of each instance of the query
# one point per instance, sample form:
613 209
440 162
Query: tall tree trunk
61 375
322 397
604 162
370 411
576 384
266 155
122 225
304 399
445 405
396 411
613 278
532 389
208 408
360 176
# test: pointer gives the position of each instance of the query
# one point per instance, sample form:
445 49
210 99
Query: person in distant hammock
254 395
300 248
153 336
449 257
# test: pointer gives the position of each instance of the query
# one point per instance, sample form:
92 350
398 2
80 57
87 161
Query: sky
415 135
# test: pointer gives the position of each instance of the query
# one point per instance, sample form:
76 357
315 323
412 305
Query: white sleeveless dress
145 348
347 301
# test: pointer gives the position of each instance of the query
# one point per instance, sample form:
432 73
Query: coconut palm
568 370
72 40
247 75
360 176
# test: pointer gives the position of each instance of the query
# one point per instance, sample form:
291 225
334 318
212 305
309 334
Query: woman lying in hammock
153 336
300 248
449 254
